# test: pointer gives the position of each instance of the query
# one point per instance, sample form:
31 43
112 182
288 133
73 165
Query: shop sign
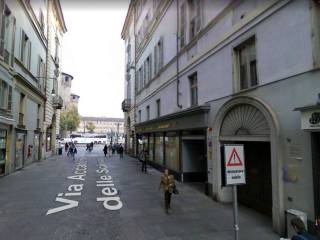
234 164
310 120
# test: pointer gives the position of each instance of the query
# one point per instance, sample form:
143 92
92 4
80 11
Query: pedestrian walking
143 159
301 231
121 151
168 185
72 150
66 146
105 150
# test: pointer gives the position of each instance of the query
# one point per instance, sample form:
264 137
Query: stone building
128 104
103 125
209 73
54 103
26 86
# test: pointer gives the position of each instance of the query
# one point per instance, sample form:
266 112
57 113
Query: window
21 109
139 116
57 50
158 56
195 17
41 20
42 72
193 79
148 112
140 79
5 96
25 54
145 73
246 64
158 108
182 25
7 33
148 69
38 115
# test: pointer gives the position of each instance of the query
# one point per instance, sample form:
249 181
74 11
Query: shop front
310 122
177 142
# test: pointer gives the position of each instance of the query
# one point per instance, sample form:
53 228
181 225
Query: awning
191 118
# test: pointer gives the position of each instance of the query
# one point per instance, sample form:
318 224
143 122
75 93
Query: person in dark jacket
143 159
66 146
121 151
301 231
105 150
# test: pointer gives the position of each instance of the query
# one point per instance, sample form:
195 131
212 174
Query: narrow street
27 195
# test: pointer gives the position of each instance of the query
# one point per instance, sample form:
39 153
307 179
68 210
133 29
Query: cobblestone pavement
27 195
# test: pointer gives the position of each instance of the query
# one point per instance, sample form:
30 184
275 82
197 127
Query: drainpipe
177 56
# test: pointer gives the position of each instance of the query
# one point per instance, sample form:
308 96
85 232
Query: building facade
103 125
128 104
209 73
23 82
54 102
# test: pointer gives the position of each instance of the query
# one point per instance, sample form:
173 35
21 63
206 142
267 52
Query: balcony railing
57 102
126 105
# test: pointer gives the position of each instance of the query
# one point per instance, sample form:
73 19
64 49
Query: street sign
234 164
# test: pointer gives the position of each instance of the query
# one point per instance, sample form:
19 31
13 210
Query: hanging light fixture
53 92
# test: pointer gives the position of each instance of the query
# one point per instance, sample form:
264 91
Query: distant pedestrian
110 150
105 150
168 185
143 159
121 151
301 231
113 148
72 150
66 146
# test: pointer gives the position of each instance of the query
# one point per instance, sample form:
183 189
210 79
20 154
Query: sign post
234 172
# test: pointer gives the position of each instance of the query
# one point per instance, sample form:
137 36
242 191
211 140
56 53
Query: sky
93 53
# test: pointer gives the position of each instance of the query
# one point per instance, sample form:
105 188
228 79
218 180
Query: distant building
102 125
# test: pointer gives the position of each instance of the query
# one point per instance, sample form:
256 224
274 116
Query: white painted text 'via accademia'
73 191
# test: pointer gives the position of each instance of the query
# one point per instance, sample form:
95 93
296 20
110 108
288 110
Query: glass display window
159 156
151 147
172 151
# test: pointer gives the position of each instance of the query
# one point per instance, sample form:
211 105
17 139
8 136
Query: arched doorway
245 124
251 122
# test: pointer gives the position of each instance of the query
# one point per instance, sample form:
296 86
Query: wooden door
257 192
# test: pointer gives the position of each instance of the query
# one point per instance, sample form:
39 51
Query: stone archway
249 119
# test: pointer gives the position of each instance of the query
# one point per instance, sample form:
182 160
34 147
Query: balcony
126 105
57 102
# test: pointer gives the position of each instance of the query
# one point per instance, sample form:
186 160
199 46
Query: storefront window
172 151
3 136
159 149
151 147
